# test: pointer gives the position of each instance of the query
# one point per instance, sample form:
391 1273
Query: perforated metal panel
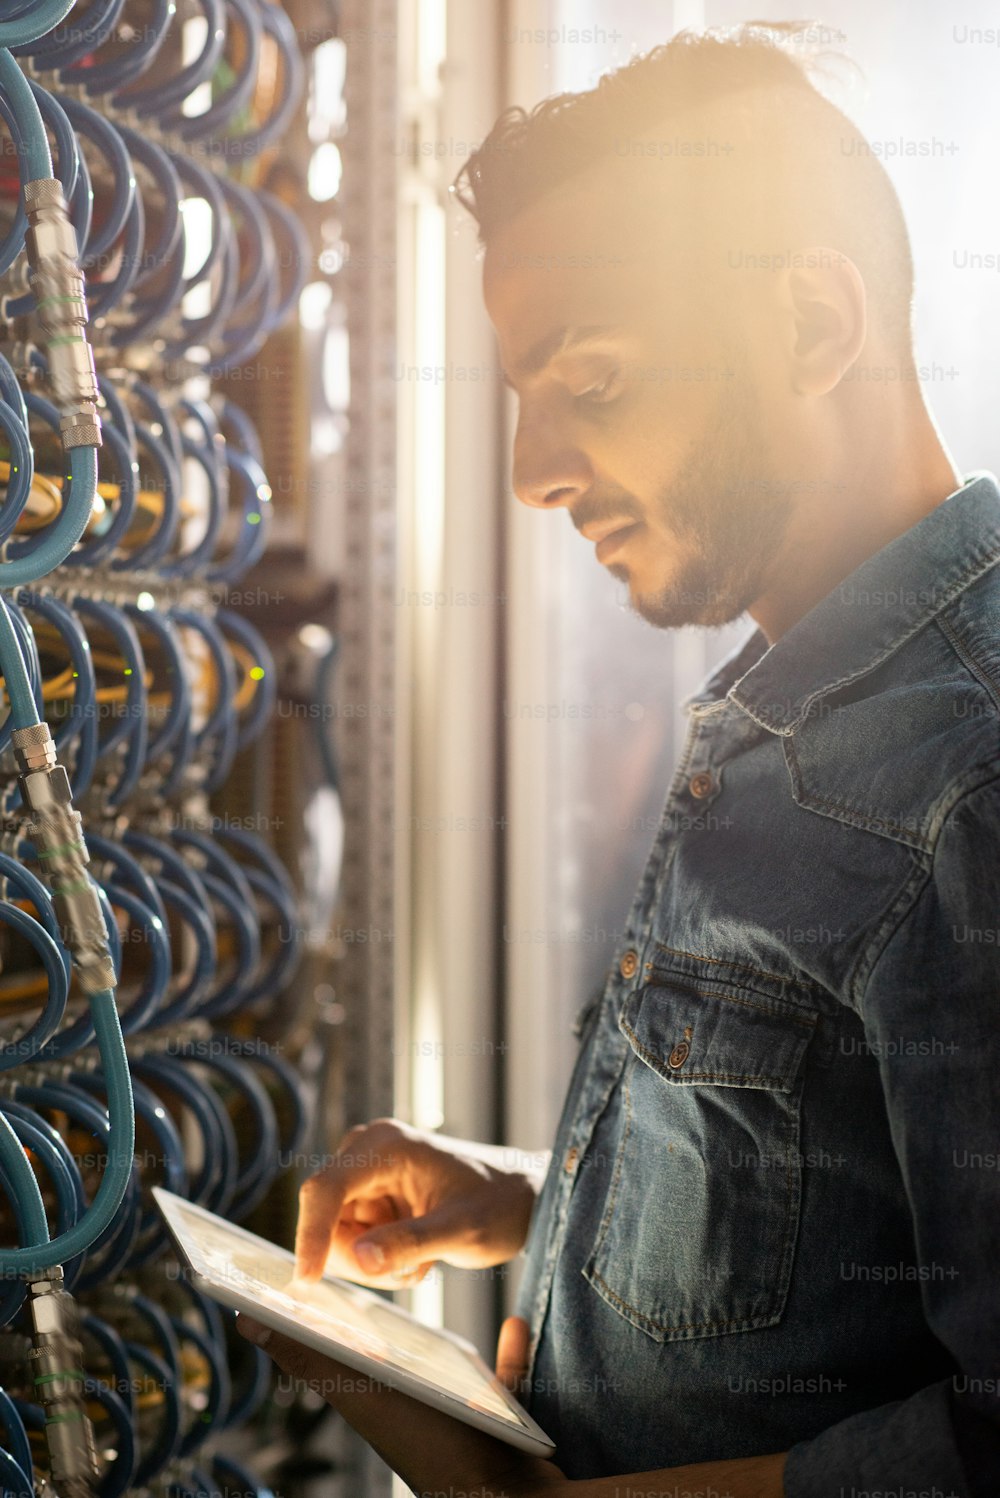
367 623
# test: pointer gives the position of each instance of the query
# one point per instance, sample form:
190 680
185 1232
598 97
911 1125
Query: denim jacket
772 1218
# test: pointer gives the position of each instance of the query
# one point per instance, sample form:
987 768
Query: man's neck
838 534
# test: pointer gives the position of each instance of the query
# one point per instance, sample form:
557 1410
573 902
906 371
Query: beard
729 517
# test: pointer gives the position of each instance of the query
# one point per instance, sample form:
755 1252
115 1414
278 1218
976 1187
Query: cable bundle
138 263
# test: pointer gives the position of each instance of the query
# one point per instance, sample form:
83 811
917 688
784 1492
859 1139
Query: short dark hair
826 175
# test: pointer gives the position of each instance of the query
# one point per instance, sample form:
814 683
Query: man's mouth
611 541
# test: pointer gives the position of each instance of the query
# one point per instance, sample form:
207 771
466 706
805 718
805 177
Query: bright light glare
314 305
325 171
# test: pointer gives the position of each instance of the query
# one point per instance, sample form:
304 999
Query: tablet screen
350 1315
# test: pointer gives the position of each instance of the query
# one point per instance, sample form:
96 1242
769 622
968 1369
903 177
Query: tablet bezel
531 1438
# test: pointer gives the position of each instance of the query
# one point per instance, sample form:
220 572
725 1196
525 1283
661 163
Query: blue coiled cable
22 469
218 1389
67 170
163 1129
151 550
252 537
111 1251
114 73
168 861
247 436
225 671
202 127
120 1474
262 1164
15 1481
231 993
80 727
104 296
164 1449
27 1046
73 1199
36 1135
17 1436
111 1345
98 549
197 918
294 254
265 696
156 941
68 42
282 29
215 1183
179 712
108 141
161 97
133 729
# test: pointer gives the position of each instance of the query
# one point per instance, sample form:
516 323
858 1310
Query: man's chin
678 604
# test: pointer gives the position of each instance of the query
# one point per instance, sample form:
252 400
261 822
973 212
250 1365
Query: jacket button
701 785
629 965
569 1163
679 1054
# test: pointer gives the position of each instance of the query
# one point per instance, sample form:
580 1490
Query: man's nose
548 474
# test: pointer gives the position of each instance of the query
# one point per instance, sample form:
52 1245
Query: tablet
347 1322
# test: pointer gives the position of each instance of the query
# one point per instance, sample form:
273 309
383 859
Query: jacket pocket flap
694 1036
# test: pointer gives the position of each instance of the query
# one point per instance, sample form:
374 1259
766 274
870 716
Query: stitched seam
956 643
767 1318
616 1179
804 799
686 1326
904 905
760 1004
742 967
792 1199
699 1076
851 814
979 564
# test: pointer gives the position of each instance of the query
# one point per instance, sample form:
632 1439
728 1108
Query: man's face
665 417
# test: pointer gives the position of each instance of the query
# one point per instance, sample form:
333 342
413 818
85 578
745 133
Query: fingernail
252 1330
369 1256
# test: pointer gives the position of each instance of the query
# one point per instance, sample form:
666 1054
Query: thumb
401 1247
512 1352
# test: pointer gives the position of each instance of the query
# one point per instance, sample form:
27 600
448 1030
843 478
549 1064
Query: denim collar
866 617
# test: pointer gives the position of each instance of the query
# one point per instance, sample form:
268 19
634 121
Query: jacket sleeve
935 986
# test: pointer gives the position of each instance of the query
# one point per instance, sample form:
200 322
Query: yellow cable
248 685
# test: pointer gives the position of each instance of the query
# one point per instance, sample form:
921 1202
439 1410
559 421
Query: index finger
321 1200
512 1352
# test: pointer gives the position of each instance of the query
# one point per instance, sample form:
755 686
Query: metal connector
58 284
56 1365
56 829
34 747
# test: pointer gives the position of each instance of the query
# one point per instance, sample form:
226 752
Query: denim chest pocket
697 1235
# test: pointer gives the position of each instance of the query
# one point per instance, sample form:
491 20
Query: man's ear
823 311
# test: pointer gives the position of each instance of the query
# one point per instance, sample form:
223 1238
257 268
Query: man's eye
605 390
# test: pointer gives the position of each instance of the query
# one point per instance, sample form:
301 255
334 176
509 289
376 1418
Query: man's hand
433 1453
429 1450
395 1198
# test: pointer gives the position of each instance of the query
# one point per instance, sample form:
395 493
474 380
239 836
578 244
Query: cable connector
56 829
56 1365
58 284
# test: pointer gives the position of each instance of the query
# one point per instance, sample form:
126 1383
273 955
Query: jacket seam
977 566
965 656
910 895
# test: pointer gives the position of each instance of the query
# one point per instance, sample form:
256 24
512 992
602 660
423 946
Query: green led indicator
257 673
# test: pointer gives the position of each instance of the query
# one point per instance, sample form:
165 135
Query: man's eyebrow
560 341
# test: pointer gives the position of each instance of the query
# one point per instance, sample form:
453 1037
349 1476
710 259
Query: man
764 1259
